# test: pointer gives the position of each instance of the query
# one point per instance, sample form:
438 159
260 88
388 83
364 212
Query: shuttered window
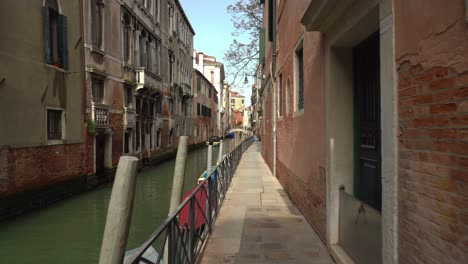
55 36
261 51
271 20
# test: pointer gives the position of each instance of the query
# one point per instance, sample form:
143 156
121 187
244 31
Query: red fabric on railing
200 197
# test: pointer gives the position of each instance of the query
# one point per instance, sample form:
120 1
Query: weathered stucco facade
34 150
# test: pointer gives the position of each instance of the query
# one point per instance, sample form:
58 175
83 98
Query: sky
213 27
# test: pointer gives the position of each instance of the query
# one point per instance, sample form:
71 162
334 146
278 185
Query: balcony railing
186 90
129 117
146 79
100 114
183 234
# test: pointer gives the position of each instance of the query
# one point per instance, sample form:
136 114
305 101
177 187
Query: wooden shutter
261 51
271 21
136 47
62 45
93 23
47 53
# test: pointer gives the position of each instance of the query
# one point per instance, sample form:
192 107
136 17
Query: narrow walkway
259 224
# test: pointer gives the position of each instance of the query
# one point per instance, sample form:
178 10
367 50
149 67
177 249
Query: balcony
100 114
146 79
129 117
186 90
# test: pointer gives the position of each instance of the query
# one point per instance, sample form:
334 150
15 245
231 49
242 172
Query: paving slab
258 223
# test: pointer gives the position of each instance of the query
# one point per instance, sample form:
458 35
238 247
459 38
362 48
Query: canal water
71 231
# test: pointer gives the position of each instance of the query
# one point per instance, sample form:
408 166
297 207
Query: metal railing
186 230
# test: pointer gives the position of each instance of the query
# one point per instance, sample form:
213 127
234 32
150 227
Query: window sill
97 50
55 67
55 142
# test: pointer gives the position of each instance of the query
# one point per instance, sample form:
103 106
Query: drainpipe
273 78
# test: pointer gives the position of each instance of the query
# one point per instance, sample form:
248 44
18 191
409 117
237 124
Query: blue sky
213 27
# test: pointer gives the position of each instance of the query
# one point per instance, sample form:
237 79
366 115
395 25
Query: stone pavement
259 224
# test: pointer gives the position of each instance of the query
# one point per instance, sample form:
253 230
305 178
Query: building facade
214 72
41 97
363 123
138 79
204 108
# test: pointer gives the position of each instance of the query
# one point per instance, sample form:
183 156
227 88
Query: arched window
55 35
97 16
126 37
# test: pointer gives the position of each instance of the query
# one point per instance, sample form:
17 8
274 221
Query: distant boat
150 254
215 140
230 135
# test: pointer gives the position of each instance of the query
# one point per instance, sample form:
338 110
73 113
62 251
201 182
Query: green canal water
71 231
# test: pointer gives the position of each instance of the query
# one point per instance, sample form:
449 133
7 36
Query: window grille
54 124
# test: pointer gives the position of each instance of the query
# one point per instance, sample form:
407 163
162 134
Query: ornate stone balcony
100 114
146 79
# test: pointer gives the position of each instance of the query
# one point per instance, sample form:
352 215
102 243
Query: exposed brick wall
309 197
267 131
37 167
433 164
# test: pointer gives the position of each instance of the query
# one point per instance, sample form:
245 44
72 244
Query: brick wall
37 167
433 164
431 47
308 196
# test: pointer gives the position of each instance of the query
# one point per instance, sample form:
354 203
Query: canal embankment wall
30 200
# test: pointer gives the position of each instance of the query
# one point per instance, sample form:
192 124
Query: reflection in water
71 231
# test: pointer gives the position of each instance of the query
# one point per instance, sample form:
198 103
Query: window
97 14
198 109
159 105
299 77
156 9
212 77
158 138
137 134
126 27
98 89
55 35
171 70
233 101
242 101
157 57
280 95
171 18
171 107
171 134
127 140
54 124
128 95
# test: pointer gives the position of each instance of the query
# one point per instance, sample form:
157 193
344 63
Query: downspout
84 99
273 78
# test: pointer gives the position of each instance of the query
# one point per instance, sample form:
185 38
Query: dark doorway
366 74
100 152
